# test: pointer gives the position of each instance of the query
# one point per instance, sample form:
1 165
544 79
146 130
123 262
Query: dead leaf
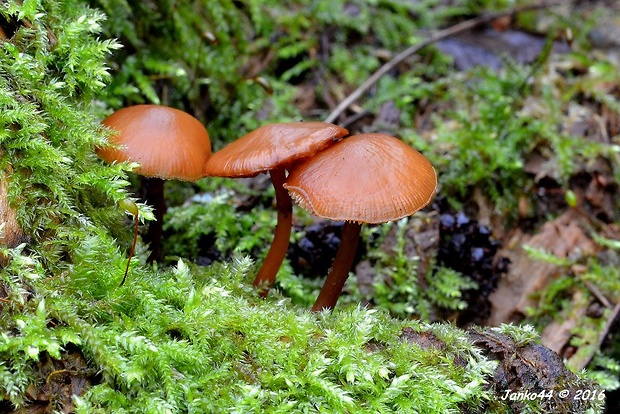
557 334
562 237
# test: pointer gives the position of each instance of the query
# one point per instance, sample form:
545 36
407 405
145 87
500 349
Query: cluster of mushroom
366 178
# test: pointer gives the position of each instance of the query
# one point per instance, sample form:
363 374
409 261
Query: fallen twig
611 319
598 294
437 36
582 362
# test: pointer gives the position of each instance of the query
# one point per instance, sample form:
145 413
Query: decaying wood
10 234
531 367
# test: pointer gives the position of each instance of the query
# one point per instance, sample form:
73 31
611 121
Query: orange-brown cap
167 143
366 178
272 146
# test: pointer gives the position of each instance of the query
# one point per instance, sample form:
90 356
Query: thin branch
437 36
598 294
611 319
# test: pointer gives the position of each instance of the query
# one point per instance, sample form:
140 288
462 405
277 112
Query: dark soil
59 380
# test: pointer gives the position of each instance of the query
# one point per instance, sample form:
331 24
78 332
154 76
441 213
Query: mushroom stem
275 256
153 190
340 269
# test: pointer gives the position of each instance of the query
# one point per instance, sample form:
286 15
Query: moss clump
198 339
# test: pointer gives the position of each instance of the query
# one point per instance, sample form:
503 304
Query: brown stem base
330 292
275 256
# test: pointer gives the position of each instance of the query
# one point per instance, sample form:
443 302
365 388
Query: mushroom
167 143
366 178
273 148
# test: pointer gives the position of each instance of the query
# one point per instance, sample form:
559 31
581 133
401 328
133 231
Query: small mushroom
273 148
366 178
167 143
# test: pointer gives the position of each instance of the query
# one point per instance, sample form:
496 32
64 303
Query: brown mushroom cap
167 143
272 146
366 178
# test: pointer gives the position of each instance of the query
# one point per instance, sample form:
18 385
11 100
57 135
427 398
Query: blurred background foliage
516 141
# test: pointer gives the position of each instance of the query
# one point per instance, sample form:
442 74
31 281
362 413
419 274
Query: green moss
199 339
397 283
212 223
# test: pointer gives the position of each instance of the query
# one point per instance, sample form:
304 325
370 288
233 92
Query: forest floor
562 220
